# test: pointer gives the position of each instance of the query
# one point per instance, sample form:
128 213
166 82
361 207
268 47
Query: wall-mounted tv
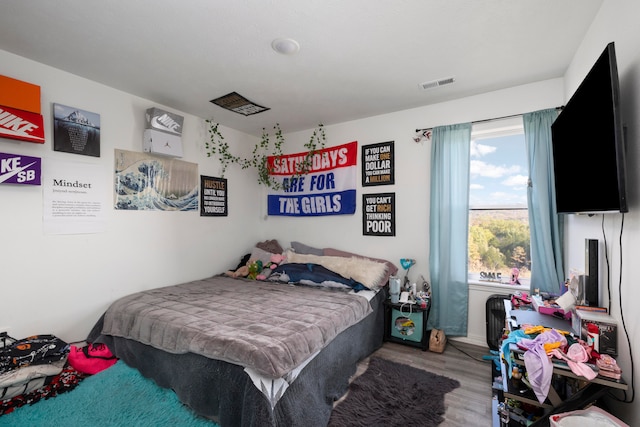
588 144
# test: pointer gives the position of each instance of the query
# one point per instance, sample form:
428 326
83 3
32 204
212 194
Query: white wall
411 182
617 22
61 283
139 250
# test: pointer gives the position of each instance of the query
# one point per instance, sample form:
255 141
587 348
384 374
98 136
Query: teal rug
117 396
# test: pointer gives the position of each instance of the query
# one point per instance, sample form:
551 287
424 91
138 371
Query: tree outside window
499 238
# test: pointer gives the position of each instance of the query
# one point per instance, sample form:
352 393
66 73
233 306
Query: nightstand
406 324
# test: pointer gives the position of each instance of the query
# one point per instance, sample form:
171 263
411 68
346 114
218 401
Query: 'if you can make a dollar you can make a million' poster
378 164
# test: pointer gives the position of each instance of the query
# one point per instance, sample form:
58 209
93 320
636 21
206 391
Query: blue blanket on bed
315 273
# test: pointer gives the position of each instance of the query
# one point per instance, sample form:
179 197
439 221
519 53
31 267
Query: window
499 238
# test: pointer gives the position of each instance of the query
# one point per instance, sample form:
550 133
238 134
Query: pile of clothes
542 346
34 368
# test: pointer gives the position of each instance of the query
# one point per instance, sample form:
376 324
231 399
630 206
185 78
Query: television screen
588 144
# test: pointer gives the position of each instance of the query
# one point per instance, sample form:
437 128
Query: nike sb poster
19 169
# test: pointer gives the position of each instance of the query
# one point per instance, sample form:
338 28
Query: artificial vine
216 145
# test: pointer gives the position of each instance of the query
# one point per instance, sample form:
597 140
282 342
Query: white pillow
362 270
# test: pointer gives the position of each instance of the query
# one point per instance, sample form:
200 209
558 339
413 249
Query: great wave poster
147 182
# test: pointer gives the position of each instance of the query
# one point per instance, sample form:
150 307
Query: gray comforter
268 327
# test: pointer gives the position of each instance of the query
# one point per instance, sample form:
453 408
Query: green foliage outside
499 241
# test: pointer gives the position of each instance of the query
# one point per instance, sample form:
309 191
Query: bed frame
225 393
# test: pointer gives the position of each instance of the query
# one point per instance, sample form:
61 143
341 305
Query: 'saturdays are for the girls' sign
328 189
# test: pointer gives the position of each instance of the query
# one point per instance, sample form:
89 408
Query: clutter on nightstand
547 365
546 304
599 330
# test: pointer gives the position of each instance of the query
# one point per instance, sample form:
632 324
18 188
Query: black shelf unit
406 323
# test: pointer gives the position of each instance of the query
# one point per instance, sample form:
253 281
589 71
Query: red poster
22 125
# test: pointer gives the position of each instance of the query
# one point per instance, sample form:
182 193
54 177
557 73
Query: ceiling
357 58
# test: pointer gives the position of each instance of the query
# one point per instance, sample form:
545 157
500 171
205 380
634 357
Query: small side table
406 324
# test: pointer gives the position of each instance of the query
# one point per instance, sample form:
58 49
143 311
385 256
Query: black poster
76 131
213 196
377 164
378 214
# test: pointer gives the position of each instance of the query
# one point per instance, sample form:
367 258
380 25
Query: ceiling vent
239 104
437 83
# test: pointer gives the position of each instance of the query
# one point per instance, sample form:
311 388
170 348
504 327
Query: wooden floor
468 405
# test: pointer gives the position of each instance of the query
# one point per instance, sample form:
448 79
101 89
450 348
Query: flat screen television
588 144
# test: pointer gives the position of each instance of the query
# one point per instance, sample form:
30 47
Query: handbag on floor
437 341
91 358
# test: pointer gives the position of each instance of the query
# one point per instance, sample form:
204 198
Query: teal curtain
449 220
547 229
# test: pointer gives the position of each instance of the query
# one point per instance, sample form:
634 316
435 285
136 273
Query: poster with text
146 182
213 196
76 131
379 214
75 197
328 189
378 164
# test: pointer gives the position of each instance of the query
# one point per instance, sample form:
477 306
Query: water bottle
394 289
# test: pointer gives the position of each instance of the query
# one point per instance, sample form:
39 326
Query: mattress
269 328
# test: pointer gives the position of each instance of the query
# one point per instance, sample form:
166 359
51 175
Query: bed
273 352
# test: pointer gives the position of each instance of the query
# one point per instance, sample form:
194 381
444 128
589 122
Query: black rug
392 394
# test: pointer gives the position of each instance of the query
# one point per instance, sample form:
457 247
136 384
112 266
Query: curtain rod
497 118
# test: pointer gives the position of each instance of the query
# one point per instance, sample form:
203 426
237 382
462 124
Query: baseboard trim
477 340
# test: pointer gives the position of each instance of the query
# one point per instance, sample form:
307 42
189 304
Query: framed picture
213 196
378 164
76 131
378 214
146 182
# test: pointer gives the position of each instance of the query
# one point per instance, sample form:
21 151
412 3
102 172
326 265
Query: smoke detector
285 46
437 83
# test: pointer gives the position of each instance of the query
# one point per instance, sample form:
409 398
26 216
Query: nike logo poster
22 125
19 169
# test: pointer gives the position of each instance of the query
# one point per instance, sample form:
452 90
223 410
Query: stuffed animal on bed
255 268
250 270
241 269
240 272
275 260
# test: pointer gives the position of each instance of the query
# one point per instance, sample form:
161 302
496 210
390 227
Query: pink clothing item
608 367
575 357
